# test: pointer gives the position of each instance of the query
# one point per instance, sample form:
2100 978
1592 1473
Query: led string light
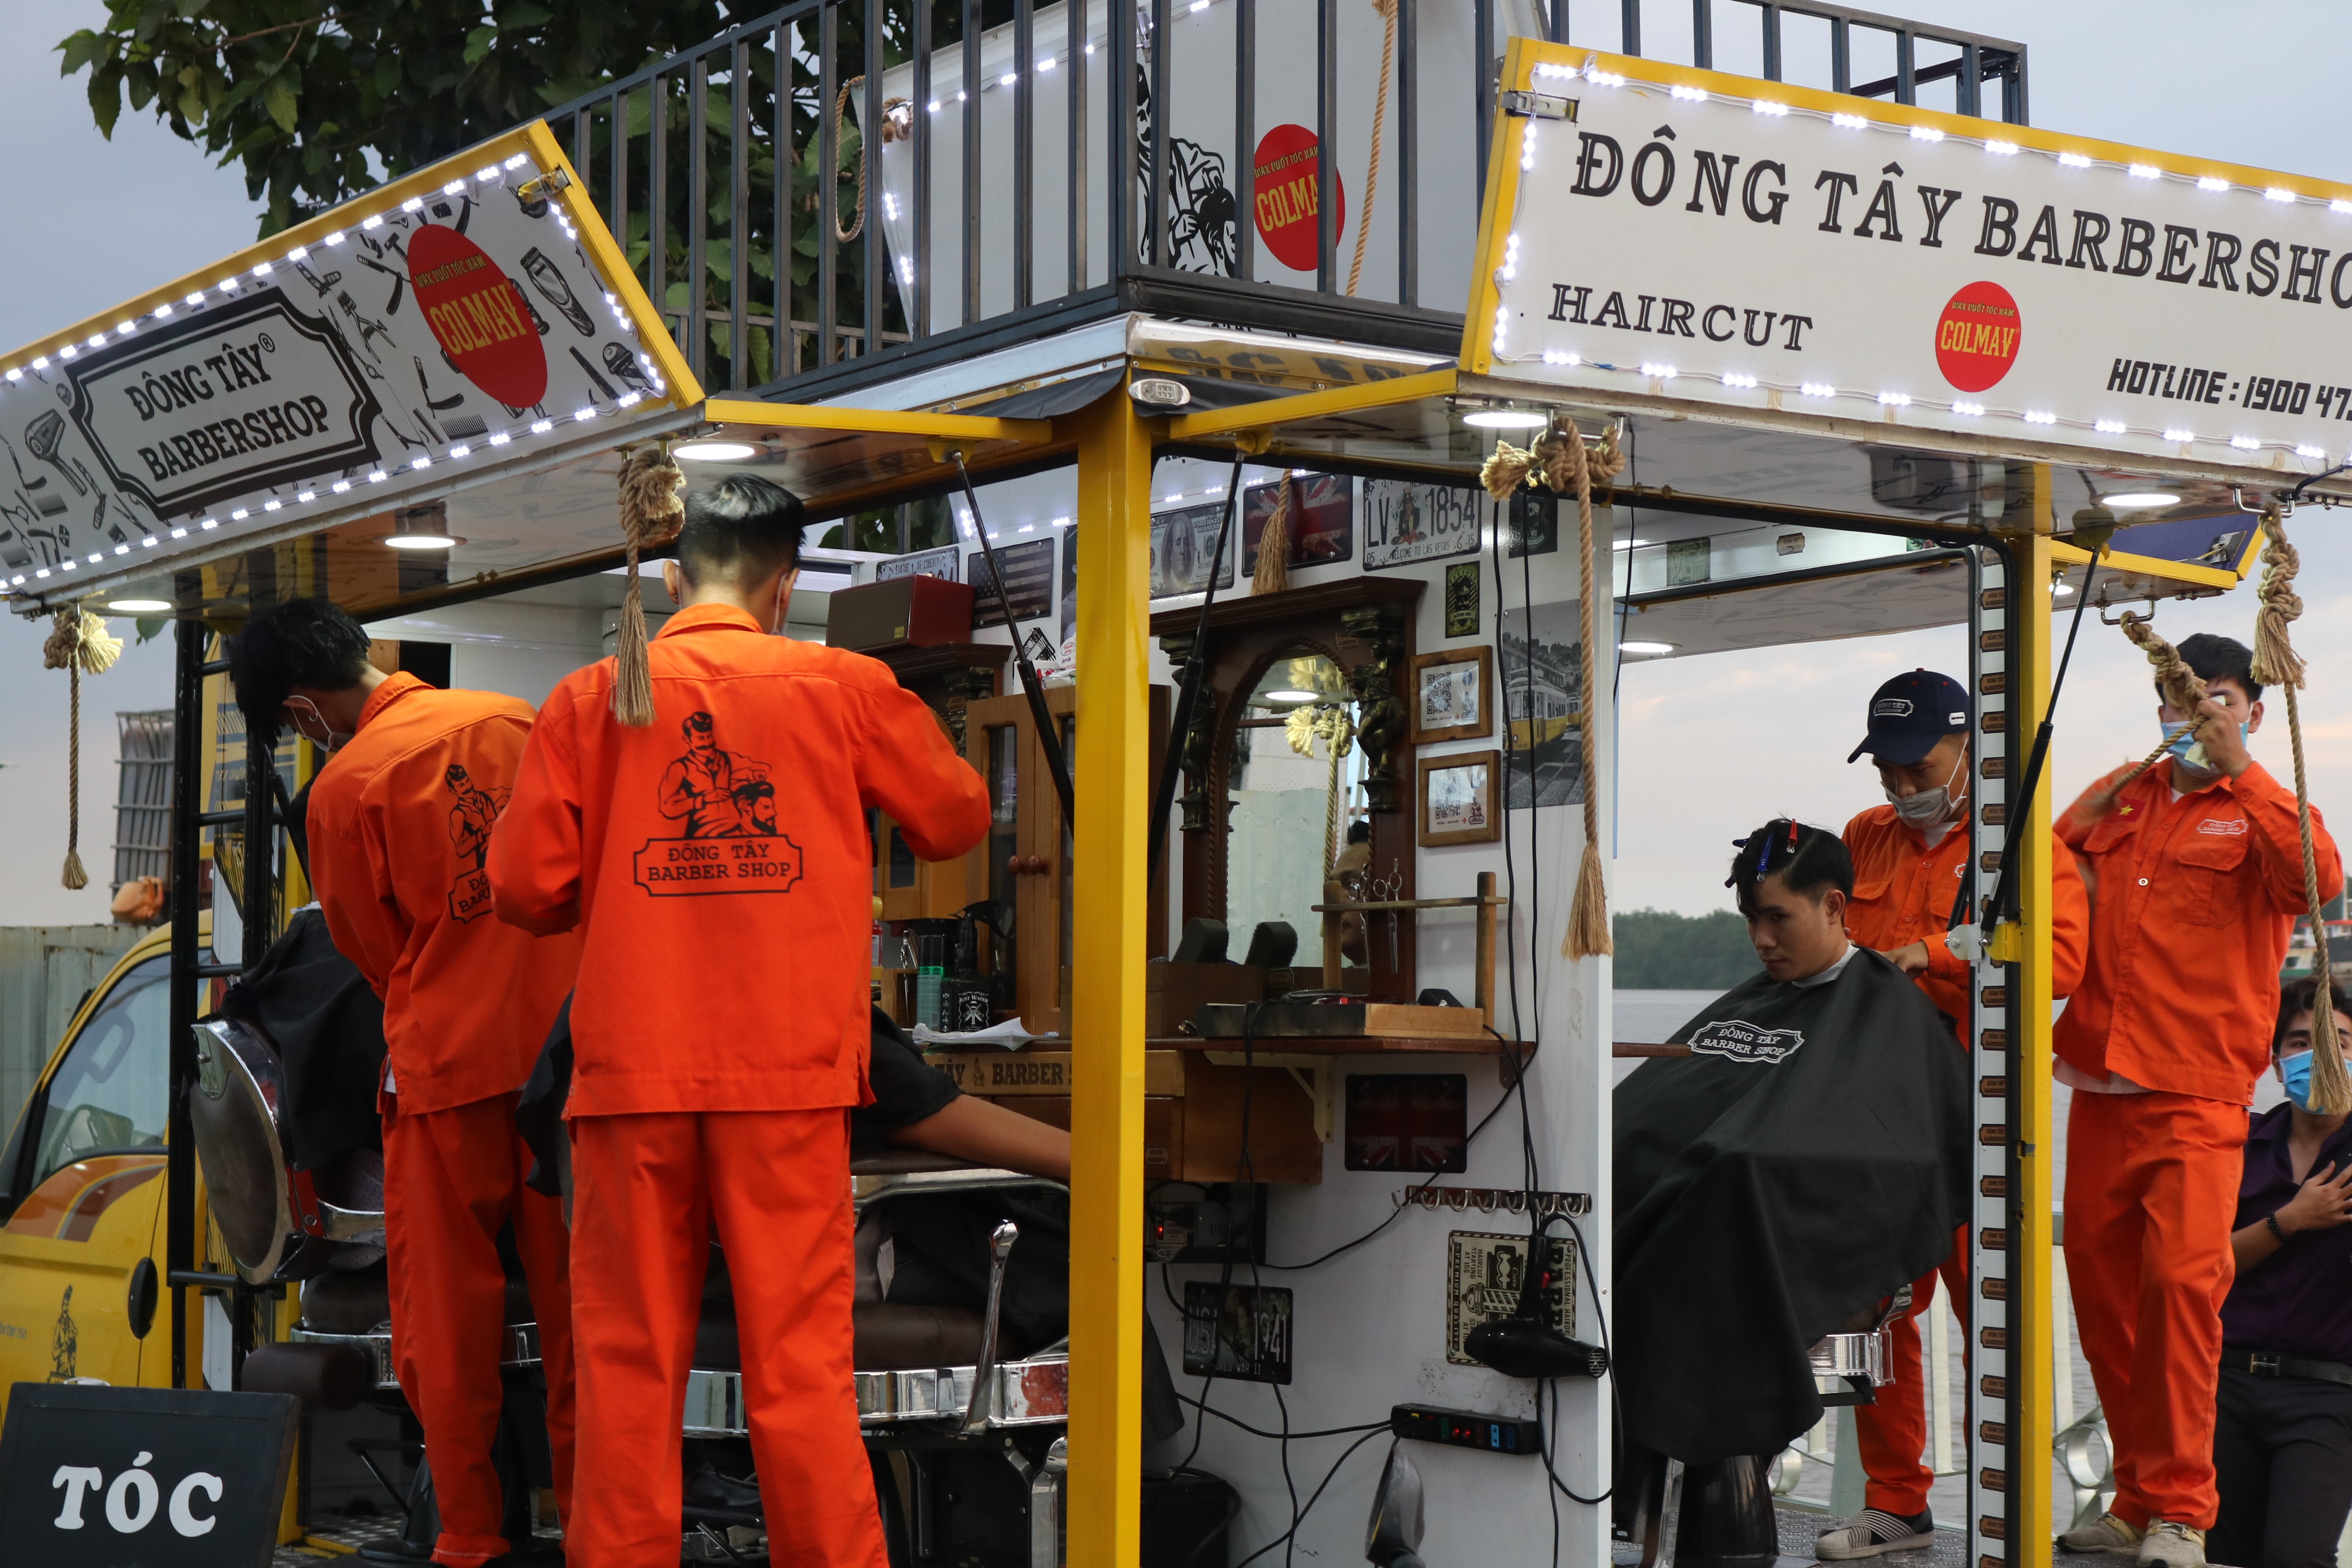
1592 72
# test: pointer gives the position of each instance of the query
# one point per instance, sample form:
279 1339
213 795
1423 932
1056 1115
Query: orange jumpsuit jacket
400 824
1903 893
2194 900
719 865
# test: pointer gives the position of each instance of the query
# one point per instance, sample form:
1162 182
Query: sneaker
1873 1531
2108 1534
2173 1545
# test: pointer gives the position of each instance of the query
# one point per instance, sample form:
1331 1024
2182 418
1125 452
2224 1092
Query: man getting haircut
718 865
399 819
1808 1158
1910 862
2197 871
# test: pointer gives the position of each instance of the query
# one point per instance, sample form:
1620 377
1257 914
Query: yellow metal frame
1518 75
1304 405
681 389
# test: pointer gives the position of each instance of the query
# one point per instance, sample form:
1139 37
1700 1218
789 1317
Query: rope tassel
78 641
650 514
2277 664
1272 574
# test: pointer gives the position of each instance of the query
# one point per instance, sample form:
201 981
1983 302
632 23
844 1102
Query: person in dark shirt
2283 1443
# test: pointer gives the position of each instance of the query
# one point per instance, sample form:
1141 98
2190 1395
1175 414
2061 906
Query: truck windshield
111 1091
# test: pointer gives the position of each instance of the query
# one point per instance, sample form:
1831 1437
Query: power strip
1467 1429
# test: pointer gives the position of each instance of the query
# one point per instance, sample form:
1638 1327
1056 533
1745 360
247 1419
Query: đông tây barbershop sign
461 318
1687 237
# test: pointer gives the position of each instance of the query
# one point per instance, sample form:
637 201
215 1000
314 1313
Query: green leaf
83 48
387 73
525 15
149 629
106 100
478 45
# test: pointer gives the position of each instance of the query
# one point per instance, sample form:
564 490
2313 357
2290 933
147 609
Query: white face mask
327 738
1928 808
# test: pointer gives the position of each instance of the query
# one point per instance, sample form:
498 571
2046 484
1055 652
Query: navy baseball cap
1910 713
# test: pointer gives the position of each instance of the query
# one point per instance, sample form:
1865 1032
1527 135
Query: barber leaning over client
2196 873
400 820
718 865
1910 863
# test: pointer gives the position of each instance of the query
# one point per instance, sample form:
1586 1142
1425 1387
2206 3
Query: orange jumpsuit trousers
646 1191
451 1180
2151 1192
1892 1434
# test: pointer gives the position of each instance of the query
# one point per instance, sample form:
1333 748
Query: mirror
1392 1539
1296 783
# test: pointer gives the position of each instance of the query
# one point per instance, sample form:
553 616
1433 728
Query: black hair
302 642
2296 999
1807 860
2215 657
742 528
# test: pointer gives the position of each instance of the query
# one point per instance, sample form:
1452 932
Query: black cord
1300 1518
1259 1432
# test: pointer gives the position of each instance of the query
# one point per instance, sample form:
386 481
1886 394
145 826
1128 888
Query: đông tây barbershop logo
724 806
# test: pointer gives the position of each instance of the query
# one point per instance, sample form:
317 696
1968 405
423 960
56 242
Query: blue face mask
2296 1070
2181 741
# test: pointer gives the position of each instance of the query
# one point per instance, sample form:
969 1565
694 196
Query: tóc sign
92 1477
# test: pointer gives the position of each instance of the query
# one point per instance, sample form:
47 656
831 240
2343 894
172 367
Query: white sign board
438 321
1740 244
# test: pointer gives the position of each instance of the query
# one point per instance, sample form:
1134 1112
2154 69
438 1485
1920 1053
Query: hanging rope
1272 574
1568 459
1388 10
78 641
2277 664
650 515
2179 686
893 130
1334 723
1507 470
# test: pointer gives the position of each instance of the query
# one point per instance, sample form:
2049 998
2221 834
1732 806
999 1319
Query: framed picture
1461 606
1449 701
1458 802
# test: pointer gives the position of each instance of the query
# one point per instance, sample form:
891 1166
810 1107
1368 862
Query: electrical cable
1286 1537
1259 1432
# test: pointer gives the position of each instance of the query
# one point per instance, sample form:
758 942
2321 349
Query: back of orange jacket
400 824
1903 891
2196 898
719 865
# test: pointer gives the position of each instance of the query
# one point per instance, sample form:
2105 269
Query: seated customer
2282 1442
1805 1162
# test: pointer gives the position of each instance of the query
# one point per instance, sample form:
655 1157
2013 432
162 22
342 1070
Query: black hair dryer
1393 1538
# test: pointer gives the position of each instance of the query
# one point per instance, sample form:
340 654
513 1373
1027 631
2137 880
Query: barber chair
964 1423
1723 1515
323 1231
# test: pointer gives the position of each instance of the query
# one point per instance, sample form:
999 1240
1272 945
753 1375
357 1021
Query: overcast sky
1712 745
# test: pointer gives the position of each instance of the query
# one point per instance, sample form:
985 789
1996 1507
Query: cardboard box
906 612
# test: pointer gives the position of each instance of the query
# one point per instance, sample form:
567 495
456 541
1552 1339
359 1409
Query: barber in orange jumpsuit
1910 858
721 1026
2196 868
400 819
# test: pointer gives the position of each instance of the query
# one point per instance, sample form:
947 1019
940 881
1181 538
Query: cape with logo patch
1810 1159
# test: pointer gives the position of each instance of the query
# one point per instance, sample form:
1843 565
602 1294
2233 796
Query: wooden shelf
1343 1045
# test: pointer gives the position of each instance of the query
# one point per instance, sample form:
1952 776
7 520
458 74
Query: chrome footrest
1032 1393
1845 1364
518 1347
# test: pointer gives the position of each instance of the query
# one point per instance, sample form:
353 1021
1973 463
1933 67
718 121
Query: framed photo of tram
1458 801
1451 695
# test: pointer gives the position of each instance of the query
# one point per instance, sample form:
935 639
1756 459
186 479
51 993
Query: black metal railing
848 189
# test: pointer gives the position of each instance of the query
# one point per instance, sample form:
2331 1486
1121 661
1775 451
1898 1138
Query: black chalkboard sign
92 1477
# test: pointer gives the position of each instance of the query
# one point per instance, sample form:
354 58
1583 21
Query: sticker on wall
1286 178
1408 1121
1029 581
1532 525
1542 661
1322 523
479 318
1462 602
1245 1335
1183 539
944 561
1069 584
1484 1276
1405 523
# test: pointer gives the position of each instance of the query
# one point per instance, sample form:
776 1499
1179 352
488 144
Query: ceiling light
715 451
1292 697
1648 647
2061 589
140 606
2141 497
423 527
1630 544
1507 420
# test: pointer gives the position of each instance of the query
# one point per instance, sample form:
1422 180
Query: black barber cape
1810 1158
328 1026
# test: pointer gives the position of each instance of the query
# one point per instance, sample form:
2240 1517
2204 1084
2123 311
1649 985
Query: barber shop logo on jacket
724 804
1743 1042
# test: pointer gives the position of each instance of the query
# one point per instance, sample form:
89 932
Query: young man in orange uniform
1910 858
718 866
399 820
2196 870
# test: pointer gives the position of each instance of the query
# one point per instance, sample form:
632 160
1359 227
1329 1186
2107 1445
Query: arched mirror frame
1364 626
